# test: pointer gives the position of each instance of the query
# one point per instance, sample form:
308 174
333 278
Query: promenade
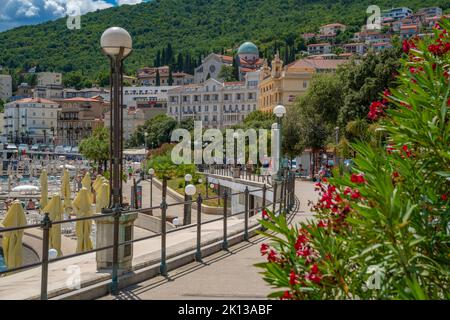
225 275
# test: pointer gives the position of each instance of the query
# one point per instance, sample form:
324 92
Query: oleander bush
381 231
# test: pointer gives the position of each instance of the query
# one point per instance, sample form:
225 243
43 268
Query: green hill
191 28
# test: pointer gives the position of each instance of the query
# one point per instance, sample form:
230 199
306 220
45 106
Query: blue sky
14 13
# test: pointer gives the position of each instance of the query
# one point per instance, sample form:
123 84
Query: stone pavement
224 275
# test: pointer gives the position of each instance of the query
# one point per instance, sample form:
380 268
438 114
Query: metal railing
245 172
285 201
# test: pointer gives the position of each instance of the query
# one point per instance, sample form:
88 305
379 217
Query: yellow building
283 84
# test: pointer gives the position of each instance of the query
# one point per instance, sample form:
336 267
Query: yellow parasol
55 211
97 183
65 190
86 182
82 206
102 198
12 241
44 189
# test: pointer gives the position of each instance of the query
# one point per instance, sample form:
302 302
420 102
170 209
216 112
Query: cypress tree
158 78
170 81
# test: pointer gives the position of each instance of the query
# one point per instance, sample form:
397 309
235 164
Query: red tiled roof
319 45
319 64
81 100
226 58
35 100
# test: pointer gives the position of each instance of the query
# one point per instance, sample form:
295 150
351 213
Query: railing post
274 204
163 266
115 266
281 197
246 214
46 225
264 195
198 253
225 221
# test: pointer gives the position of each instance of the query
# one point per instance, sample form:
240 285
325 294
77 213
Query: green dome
248 48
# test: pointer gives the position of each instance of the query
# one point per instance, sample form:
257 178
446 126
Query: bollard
46 225
225 221
198 253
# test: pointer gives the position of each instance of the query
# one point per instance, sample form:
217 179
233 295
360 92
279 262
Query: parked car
35 147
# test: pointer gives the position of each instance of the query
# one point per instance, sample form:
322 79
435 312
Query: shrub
381 231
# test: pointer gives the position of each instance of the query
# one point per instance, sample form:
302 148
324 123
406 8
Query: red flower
265 215
444 197
293 279
376 110
355 194
406 151
286 296
448 102
358 178
314 278
264 249
406 46
306 252
347 190
272 256
395 174
314 269
322 224
301 240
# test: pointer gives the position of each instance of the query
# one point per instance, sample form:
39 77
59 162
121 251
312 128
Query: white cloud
132 2
22 12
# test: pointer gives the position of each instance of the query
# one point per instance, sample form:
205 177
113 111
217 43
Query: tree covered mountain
190 28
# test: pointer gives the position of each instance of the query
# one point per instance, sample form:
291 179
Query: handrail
286 200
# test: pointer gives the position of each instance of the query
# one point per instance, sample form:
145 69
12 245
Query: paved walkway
224 275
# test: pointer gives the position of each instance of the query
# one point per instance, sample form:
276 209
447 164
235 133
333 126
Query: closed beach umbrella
86 182
65 190
12 241
102 198
97 183
55 211
44 189
82 206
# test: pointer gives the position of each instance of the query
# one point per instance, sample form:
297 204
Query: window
305 84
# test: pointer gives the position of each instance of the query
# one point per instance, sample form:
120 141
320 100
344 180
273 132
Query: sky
15 13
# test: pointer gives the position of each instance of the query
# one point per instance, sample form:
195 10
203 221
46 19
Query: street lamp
189 191
116 43
279 112
145 140
187 205
151 172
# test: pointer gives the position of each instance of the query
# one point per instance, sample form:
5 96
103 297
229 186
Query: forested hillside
188 28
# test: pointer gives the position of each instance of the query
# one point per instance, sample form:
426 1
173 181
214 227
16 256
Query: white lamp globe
176 222
188 178
115 38
151 171
212 186
200 180
52 254
279 111
190 190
